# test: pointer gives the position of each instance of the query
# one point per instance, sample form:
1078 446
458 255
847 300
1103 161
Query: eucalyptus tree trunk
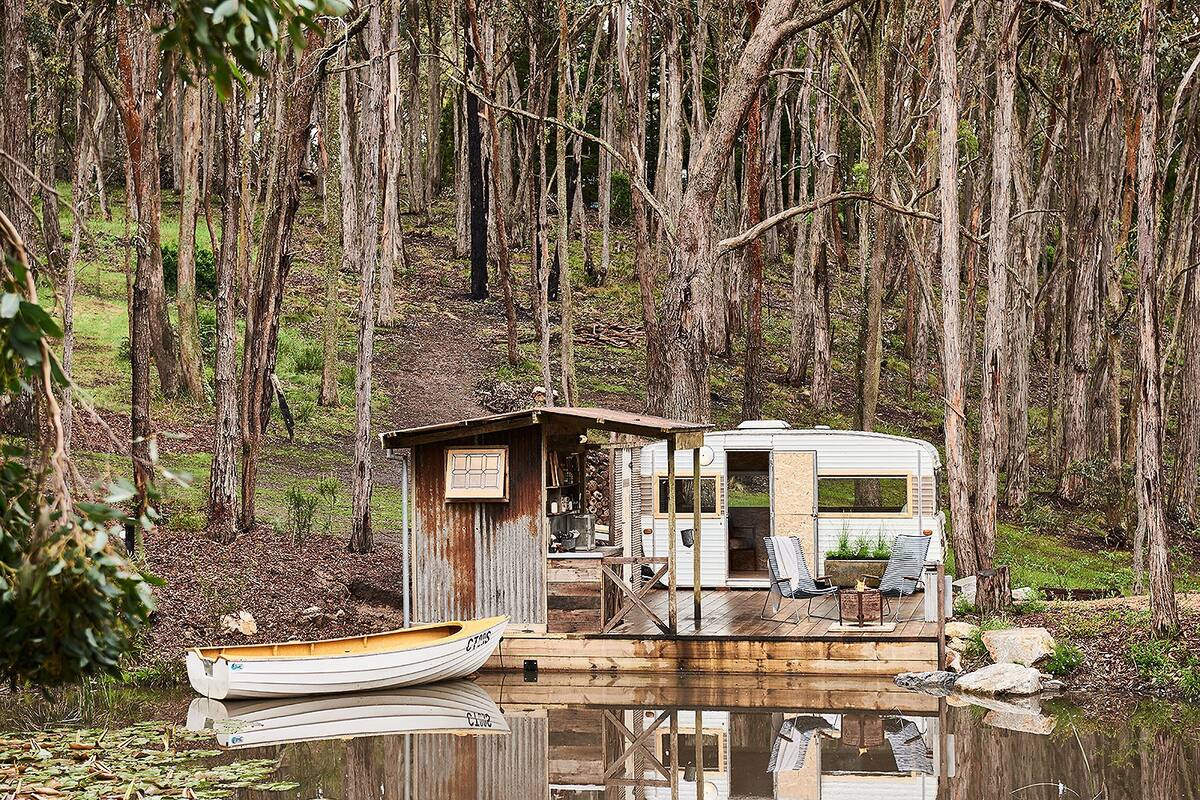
191 360
496 209
752 369
995 360
802 265
567 334
16 186
265 295
222 483
826 137
957 464
392 249
1164 617
604 181
365 169
331 206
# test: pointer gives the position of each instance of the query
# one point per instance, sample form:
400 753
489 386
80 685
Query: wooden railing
619 597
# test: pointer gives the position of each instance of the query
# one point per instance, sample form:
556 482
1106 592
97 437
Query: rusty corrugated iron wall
505 766
480 559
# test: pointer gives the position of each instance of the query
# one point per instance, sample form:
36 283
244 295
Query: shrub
882 549
843 549
327 489
206 270
301 506
863 550
1065 659
1153 659
310 357
1189 680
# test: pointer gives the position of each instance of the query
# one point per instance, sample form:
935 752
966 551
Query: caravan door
794 500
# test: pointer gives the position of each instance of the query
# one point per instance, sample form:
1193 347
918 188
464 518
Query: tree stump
993 592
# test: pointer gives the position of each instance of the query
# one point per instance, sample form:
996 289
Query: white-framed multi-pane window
477 473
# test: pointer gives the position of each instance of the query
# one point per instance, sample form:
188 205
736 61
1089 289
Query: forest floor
445 359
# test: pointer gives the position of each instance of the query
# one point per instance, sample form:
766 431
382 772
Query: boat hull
446 707
262 676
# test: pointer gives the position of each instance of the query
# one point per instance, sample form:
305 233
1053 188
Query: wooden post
696 537
941 615
672 611
699 739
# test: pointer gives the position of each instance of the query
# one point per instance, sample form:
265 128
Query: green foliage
1065 659
968 141
310 357
863 549
207 319
70 604
1034 605
224 40
620 197
206 270
975 647
301 508
1153 659
882 549
327 490
843 549
860 176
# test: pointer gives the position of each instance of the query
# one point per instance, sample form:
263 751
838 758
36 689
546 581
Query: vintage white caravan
767 478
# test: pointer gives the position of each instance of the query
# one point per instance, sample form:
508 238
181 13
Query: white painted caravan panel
838 453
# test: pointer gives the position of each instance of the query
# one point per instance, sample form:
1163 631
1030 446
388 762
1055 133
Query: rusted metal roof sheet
598 418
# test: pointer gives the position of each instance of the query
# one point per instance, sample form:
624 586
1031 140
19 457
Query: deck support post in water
672 610
696 537
699 737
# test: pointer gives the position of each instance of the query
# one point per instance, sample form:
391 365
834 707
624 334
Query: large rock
1019 645
966 587
938 682
1001 679
1024 594
960 630
242 623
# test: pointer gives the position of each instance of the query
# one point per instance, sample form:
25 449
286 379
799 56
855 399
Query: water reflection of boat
408 657
448 707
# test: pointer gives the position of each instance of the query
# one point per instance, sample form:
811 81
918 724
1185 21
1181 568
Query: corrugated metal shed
474 559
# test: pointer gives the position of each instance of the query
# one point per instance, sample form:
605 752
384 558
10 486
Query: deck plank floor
735 614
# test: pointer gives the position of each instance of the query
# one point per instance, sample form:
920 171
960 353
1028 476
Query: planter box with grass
847 563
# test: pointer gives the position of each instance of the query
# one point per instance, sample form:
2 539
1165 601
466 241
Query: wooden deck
736 614
732 639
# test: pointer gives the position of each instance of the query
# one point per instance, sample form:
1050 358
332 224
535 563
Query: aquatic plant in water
149 758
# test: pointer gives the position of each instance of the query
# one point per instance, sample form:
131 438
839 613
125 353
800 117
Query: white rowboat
447 707
406 657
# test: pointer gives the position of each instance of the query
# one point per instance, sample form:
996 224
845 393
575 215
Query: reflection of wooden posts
696 537
699 724
672 611
638 750
675 754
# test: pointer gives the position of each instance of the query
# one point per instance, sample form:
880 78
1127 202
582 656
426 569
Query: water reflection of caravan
854 757
712 767
765 478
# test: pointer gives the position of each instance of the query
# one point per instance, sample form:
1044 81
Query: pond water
595 737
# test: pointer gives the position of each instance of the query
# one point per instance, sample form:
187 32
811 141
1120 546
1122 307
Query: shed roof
605 419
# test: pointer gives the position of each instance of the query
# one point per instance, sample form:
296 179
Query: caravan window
878 495
709 499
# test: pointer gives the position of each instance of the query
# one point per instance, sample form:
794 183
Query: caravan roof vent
821 427
763 425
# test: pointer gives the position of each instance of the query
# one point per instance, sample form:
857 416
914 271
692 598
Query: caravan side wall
838 453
